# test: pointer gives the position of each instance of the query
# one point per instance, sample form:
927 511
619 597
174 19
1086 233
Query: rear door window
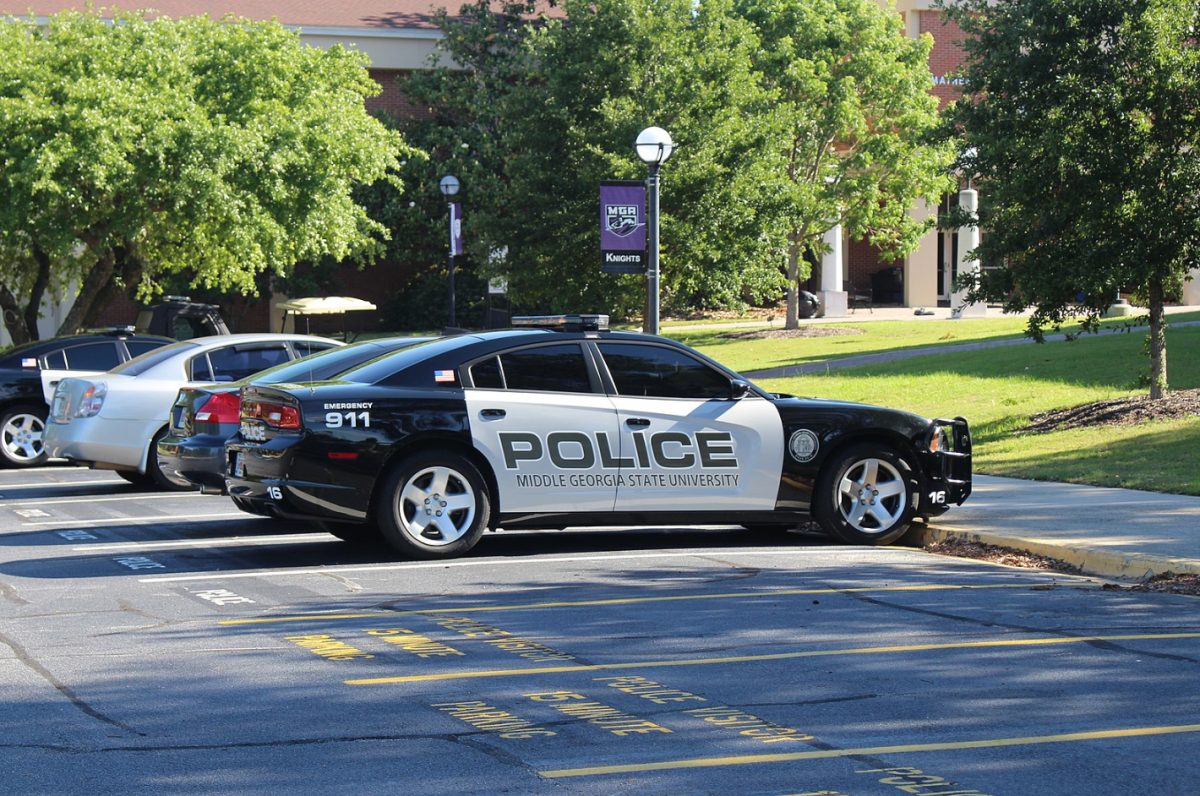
548 368
232 363
93 356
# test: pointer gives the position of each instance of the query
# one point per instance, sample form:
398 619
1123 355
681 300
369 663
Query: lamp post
653 146
449 187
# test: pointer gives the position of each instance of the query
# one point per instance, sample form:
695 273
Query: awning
324 305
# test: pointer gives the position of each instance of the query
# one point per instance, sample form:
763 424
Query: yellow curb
1091 561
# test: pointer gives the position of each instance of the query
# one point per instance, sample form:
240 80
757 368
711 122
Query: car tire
136 478
21 436
866 495
433 504
155 476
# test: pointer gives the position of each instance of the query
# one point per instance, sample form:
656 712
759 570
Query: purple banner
456 236
623 227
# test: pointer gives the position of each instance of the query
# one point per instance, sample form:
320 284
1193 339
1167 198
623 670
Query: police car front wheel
433 505
866 495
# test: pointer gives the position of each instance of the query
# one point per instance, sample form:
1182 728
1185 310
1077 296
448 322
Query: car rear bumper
257 474
100 441
198 461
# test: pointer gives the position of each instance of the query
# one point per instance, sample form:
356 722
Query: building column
921 264
833 297
968 241
1191 289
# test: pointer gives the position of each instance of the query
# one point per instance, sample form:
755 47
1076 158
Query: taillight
222 407
92 400
275 415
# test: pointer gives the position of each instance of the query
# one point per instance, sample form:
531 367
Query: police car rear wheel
866 495
433 505
21 430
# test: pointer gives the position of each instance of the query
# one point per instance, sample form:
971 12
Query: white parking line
230 541
159 518
65 501
489 562
111 481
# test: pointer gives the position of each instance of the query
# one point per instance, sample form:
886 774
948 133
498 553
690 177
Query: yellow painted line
776 656
819 754
475 609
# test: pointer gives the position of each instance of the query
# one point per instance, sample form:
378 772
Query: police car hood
851 413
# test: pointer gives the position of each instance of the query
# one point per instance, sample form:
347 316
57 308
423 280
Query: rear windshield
327 364
379 369
140 364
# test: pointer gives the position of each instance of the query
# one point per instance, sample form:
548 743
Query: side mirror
738 389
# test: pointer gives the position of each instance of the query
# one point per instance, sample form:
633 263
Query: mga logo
621 220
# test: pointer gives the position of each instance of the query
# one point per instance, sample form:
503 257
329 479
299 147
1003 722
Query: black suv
23 406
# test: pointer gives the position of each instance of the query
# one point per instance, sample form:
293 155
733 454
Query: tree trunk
793 283
130 270
99 276
33 310
14 318
1158 341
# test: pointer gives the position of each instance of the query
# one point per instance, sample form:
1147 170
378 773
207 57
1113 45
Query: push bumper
948 471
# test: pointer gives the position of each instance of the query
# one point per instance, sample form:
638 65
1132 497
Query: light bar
564 323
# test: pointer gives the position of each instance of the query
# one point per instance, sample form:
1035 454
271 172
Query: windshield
139 365
326 364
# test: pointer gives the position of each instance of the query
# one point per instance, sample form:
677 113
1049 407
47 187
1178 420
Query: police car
559 422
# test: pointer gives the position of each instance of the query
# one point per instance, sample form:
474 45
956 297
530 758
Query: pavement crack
351 585
9 593
24 657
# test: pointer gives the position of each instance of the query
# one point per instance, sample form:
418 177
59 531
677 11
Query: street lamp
449 187
653 146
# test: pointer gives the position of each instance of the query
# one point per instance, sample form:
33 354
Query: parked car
205 416
181 318
114 421
575 425
23 401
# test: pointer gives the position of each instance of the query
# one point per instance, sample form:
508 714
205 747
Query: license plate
239 466
58 411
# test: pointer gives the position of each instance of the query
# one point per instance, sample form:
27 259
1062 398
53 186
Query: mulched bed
1167 582
1001 555
1118 412
811 330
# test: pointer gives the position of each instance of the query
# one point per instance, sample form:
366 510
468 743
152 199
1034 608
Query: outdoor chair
856 298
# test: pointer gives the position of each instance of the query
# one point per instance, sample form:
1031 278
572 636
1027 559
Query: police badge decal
804 445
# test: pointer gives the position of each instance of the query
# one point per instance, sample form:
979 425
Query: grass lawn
869 338
998 390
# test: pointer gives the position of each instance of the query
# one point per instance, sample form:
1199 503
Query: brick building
398 35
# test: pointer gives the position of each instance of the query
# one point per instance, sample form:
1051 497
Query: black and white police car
559 423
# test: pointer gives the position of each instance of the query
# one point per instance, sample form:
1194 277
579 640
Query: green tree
544 109
855 116
1081 120
148 148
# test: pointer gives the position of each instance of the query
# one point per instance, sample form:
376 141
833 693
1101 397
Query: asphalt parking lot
168 642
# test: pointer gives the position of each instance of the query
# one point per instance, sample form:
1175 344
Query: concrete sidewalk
1114 533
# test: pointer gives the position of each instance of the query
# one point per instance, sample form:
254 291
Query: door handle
492 414
637 422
